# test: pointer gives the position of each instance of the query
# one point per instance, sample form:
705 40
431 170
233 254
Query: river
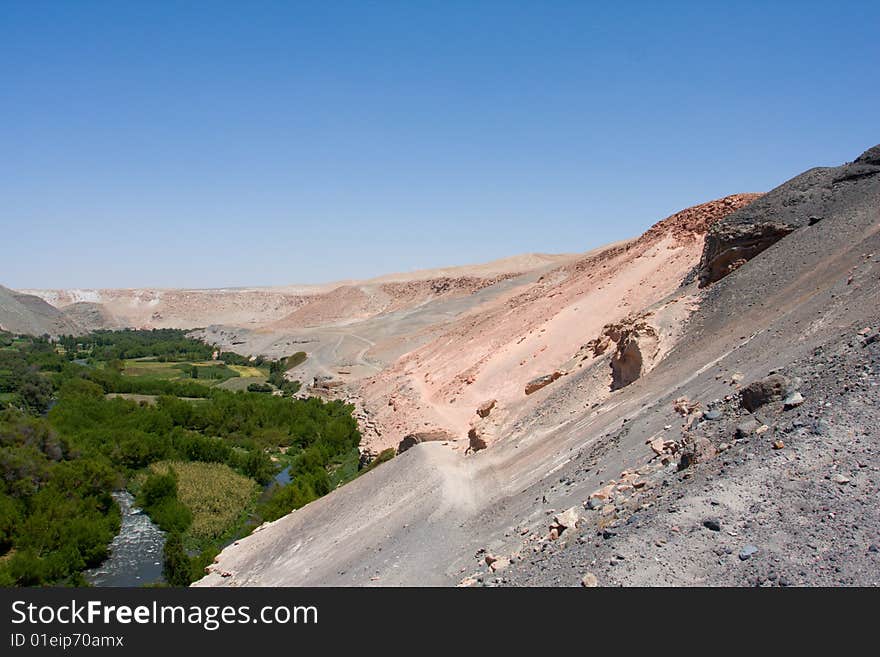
136 551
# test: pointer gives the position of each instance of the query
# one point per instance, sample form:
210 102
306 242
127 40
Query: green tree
176 567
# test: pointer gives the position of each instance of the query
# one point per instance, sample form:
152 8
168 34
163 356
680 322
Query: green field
209 373
250 372
218 497
149 399
241 383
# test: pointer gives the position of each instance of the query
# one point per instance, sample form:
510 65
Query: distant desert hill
91 316
282 307
27 313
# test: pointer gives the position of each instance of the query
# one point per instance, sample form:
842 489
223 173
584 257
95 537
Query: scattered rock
683 406
778 444
747 428
793 400
840 479
568 519
714 414
697 449
748 552
499 564
713 524
540 382
414 439
486 407
475 442
589 581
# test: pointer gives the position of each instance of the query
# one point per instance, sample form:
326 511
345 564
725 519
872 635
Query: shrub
176 567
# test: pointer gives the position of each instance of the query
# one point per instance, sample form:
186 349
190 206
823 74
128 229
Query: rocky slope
508 346
650 449
25 313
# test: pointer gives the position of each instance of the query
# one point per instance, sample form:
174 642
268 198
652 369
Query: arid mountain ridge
685 408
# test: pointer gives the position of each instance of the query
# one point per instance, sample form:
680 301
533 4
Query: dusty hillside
25 313
494 351
91 316
279 309
156 308
722 434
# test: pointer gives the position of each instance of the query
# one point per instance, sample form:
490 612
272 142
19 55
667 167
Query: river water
136 551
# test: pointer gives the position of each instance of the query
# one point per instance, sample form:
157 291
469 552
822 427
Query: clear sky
207 144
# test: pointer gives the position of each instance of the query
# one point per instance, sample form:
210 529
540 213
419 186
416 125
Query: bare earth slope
25 313
275 309
734 486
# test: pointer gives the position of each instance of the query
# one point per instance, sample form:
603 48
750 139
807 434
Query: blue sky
218 143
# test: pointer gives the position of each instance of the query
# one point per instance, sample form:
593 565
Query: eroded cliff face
517 348
804 200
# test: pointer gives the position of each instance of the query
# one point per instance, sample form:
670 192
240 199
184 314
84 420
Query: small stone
793 400
747 428
567 519
748 552
713 524
840 479
778 444
713 415
589 581
499 564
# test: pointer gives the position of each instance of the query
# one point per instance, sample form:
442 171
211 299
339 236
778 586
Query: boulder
793 400
413 439
747 428
486 407
499 564
589 581
697 449
684 406
475 441
637 346
540 382
775 387
568 519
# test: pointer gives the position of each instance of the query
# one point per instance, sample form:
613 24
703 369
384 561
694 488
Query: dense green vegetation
161 344
194 454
